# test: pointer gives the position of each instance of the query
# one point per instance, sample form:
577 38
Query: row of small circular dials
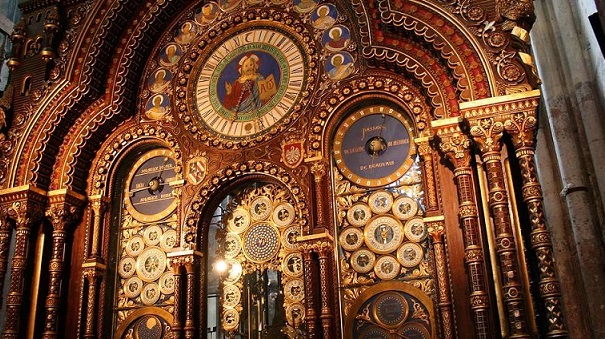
247 84
258 232
148 199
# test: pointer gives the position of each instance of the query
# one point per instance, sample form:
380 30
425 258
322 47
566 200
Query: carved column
93 273
185 299
456 147
6 230
26 209
521 126
190 288
436 228
177 322
63 211
99 204
487 132
319 172
324 249
310 315
426 153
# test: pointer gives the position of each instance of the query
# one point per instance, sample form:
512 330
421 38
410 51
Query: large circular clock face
249 83
373 146
148 192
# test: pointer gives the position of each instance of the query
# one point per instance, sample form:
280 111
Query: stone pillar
521 126
456 148
26 208
487 132
6 231
63 212
436 229
574 118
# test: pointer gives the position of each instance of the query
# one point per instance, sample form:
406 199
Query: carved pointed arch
220 183
107 65
468 39
377 85
123 140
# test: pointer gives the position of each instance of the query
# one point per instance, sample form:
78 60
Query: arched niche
252 272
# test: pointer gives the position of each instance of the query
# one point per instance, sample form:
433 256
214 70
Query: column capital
65 208
24 204
319 169
184 258
435 226
489 118
453 141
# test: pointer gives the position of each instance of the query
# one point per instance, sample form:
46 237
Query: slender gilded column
521 127
310 302
177 322
426 153
319 172
6 230
99 204
25 212
93 273
487 133
324 249
455 146
189 303
61 214
436 228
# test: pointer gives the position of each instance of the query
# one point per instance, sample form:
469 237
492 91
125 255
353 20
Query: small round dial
148 192
374 146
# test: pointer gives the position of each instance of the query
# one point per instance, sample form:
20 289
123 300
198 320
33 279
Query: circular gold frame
339 150
384 245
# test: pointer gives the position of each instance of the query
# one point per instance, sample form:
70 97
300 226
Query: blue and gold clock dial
374 146
148 195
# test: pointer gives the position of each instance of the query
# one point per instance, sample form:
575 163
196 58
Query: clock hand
153 186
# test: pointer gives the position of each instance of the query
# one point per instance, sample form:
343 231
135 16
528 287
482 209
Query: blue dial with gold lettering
148 192
373 146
